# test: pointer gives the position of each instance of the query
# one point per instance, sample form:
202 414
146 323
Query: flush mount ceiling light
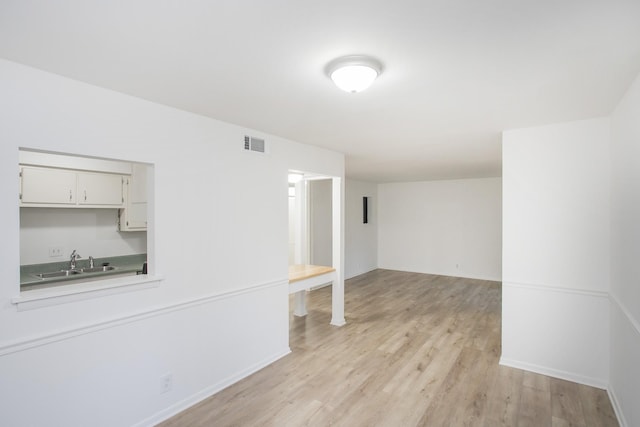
354 73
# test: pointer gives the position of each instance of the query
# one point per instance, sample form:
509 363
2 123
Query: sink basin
98 269
65 273
60 273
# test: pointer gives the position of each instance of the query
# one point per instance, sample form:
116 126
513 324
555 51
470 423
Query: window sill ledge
45 297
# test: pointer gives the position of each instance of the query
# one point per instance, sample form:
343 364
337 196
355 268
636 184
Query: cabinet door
100 189
134 215
47 186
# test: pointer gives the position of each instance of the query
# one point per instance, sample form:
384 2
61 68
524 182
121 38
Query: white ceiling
456 72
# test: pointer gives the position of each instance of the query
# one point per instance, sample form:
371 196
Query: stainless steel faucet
74 256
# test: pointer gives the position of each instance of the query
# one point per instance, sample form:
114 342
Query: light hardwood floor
417 350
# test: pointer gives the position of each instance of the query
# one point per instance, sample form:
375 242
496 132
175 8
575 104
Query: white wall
556 250
93 232
625 256
220 243
450 228
320 222
361 240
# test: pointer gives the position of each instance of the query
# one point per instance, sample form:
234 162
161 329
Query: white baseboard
616 407
186 403
555 373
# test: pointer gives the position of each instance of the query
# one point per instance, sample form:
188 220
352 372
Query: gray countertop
124 265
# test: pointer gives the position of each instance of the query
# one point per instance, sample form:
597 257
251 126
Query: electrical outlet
55 251
166 382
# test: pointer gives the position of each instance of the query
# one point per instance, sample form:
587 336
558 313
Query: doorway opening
316 239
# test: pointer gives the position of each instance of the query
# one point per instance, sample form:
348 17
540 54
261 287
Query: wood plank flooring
417 350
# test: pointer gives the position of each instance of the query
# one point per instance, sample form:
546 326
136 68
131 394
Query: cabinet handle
85 195
70 195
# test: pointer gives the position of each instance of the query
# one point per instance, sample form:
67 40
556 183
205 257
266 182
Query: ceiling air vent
252 143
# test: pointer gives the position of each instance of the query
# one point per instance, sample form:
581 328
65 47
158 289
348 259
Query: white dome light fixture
354 73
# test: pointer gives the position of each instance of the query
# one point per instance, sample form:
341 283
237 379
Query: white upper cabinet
102 189
48 186
133 217
52 187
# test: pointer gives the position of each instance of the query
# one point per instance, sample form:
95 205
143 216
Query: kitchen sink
65 273
61 273
98 269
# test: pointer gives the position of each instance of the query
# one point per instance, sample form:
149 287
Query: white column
337 290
